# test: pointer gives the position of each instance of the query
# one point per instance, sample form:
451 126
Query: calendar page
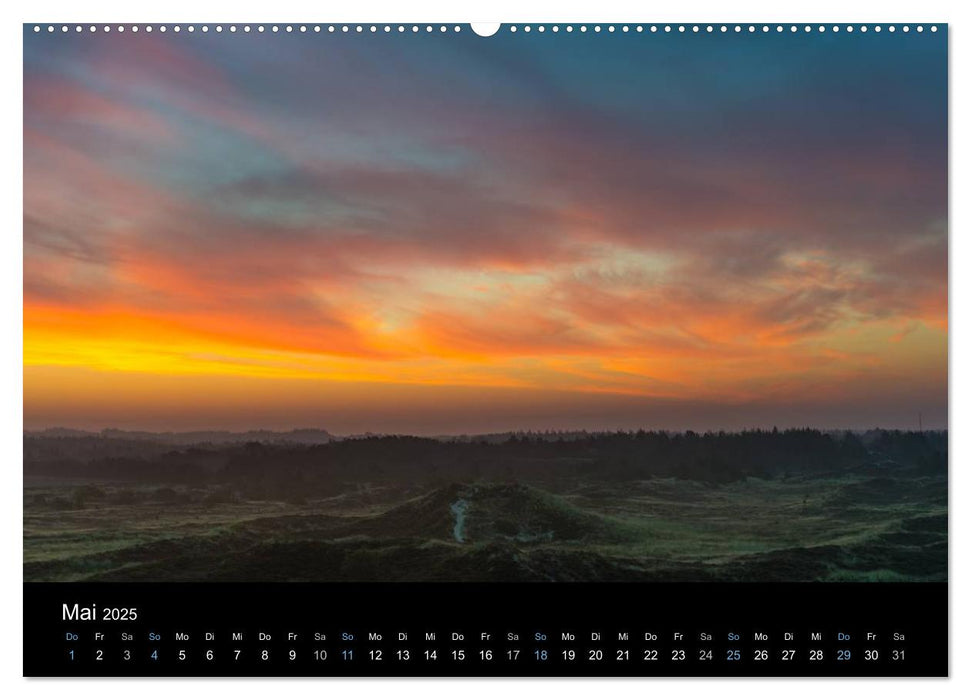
521 350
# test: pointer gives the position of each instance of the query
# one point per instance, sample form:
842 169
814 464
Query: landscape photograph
429 306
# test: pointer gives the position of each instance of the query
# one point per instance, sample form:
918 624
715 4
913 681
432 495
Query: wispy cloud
751 222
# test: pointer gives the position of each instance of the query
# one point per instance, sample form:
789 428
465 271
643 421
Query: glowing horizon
451 234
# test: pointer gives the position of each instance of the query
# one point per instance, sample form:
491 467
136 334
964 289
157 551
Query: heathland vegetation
755 505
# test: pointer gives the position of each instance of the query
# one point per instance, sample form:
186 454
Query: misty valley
792 505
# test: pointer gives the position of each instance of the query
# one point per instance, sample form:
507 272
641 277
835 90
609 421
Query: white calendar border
11 277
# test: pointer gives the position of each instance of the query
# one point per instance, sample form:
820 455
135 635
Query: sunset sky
442 233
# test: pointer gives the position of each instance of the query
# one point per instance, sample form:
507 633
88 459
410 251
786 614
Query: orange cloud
192 217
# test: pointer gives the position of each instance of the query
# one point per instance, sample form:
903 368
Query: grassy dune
851 526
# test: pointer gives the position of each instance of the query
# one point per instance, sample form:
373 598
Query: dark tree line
714 457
